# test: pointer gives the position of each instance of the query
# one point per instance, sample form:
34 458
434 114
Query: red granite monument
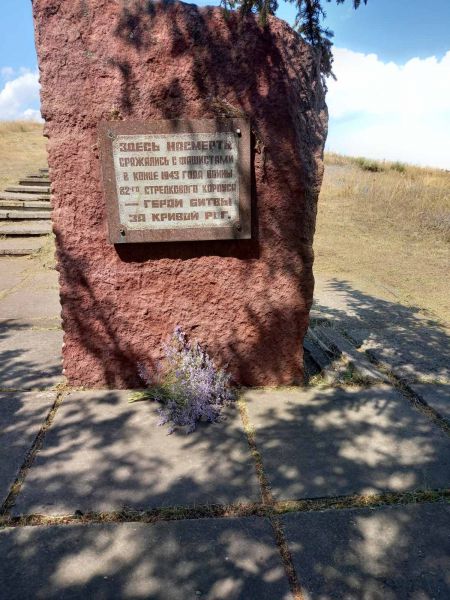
185 153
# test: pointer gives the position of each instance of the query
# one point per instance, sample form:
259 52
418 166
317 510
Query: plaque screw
238 132
238 226
111 135
122 231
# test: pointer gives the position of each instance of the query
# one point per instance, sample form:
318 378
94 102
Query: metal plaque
177 180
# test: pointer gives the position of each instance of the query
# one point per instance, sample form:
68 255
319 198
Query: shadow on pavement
21 417
330 442
211 559
413 346
104 454
29 358
389 553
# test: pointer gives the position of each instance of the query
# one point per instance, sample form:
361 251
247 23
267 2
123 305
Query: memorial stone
185 152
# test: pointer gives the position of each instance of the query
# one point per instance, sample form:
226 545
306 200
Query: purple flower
191 388
143 373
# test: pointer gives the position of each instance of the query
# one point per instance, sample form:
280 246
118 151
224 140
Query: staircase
25 214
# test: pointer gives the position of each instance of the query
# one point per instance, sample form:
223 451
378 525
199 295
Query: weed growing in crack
190 387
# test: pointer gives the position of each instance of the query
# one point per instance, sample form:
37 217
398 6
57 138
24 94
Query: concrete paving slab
20 246
343 304
412 355
31 302
44 279
11 271
21 417
437 396
331 442
210 559
386 553
412 346
30 356
103 453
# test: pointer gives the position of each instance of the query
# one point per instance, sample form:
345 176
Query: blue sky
392 60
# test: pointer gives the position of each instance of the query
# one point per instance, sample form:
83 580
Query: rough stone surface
246 301
21 417
335 442
30 354
437 396
103 453
378 554
236 559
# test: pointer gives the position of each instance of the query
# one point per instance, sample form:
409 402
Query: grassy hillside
22 150
386 225
380 225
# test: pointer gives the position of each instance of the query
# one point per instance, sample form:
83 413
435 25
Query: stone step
25 204
38 178
34 181
15 215
333 342
329 367
322 360
14 196
43 170
29 189
25 228
21 246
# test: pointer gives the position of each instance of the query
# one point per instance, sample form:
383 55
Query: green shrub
366 164
398 166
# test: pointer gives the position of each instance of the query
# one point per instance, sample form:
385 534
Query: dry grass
22 150
386 224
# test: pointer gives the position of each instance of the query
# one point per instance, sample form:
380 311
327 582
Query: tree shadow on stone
94 326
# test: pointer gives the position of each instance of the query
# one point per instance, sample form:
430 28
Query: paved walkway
332 491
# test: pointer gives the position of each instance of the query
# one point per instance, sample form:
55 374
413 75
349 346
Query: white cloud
32 114
386 110
7 72
19 97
